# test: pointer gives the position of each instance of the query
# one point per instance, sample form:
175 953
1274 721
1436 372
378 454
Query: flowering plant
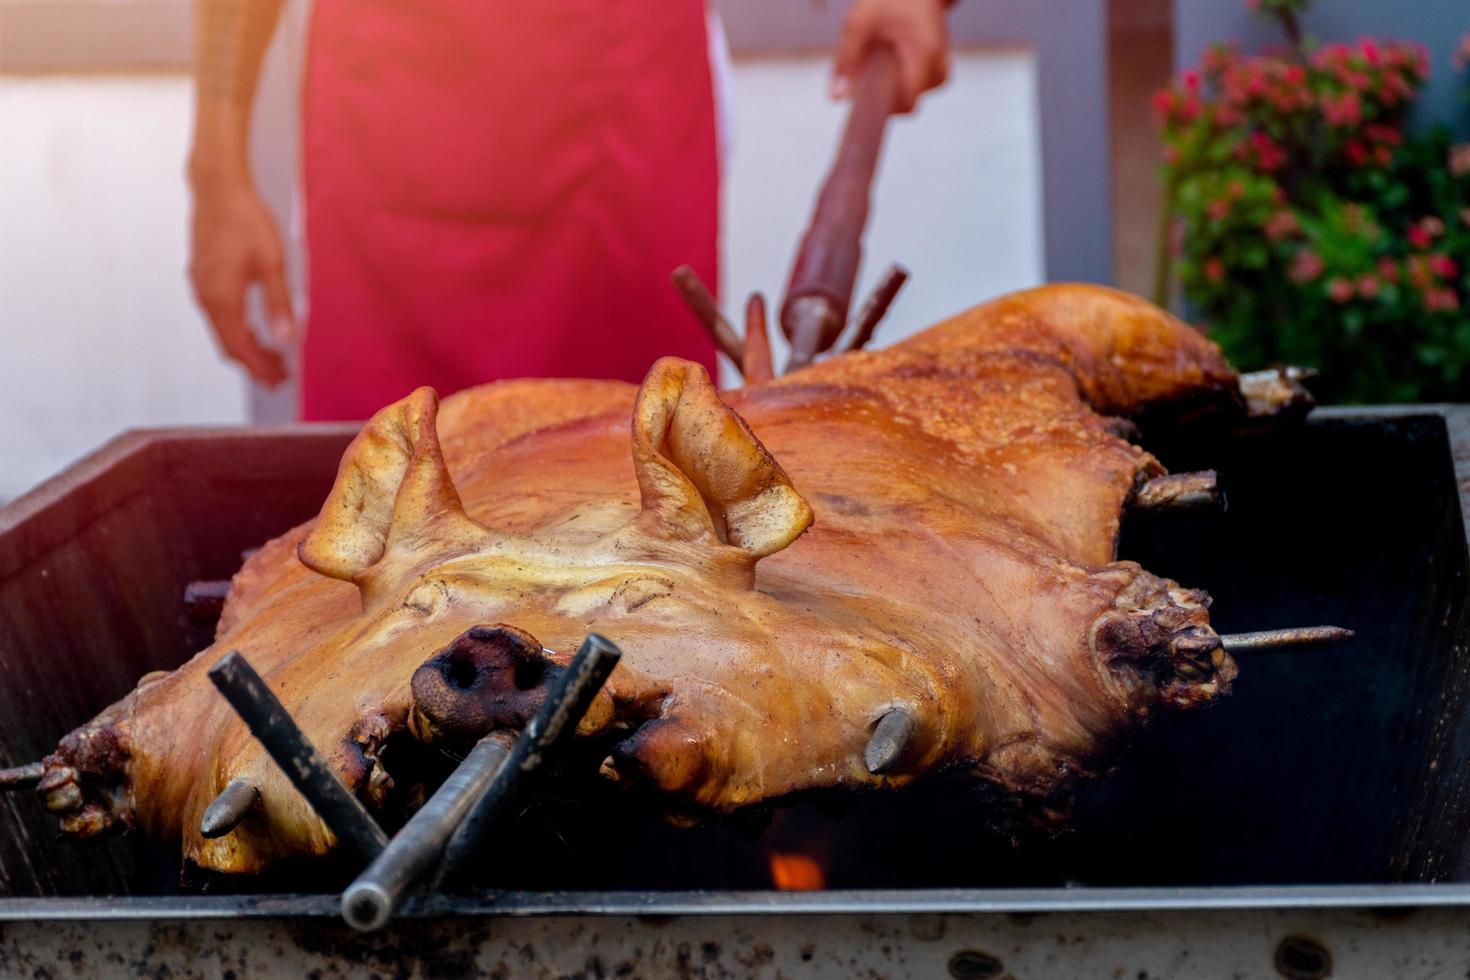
1308 227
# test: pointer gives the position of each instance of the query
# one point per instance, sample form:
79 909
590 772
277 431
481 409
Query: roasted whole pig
887 564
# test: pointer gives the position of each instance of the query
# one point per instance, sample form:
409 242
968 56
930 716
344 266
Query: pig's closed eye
427 598
639 592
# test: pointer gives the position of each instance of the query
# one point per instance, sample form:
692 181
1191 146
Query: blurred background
1040 160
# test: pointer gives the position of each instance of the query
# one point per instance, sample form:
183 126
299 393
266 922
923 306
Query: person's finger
856 31
912 72
266 366
223 301
278 303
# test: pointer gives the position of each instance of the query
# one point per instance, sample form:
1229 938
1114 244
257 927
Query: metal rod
1179 491
1299 636
560 713
875 307
890 736
369 902
229 808
702 304
204 600
22 777
1276 391
756 363
273 726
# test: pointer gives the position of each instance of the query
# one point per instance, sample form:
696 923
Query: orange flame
797 873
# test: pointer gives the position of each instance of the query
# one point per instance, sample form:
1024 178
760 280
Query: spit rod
451 823
559 715
701 303
871 313
22 777
1298 636
273 727
368 903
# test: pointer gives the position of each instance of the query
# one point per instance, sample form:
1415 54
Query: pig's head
463 626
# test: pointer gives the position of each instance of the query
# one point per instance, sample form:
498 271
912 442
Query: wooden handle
827 261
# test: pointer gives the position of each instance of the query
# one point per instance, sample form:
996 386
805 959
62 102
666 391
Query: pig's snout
489 677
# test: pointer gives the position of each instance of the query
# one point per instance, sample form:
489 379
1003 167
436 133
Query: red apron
499 189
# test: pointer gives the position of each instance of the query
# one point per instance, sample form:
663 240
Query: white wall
958 199
98 332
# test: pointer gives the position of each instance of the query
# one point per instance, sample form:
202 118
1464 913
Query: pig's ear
393 496
701 471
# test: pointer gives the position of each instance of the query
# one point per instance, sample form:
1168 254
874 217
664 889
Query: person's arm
234 239
917 31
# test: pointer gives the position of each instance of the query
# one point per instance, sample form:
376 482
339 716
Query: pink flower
1218 210
1214 269
1356 152
1368 48
1388 269
1340 289
1280 225
1441 300
1307 266
1459 162
1462 54
1379 133
1228 116
1342 110
1465 217
1443 266
1267 155
1419 238
1368 286
1331 54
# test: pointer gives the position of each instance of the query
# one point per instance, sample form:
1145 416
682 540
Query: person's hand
234 244
917 32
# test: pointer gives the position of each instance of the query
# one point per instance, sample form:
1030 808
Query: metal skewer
462 809
226 811
875 307
1299 636
1179 491
756 362
22 777
204 600
368 903
890 736
559 715
702 304
273 726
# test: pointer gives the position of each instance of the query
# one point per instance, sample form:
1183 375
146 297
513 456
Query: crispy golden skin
930 526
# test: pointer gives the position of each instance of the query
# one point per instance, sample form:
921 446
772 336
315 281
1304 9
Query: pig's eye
427 598
633 594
